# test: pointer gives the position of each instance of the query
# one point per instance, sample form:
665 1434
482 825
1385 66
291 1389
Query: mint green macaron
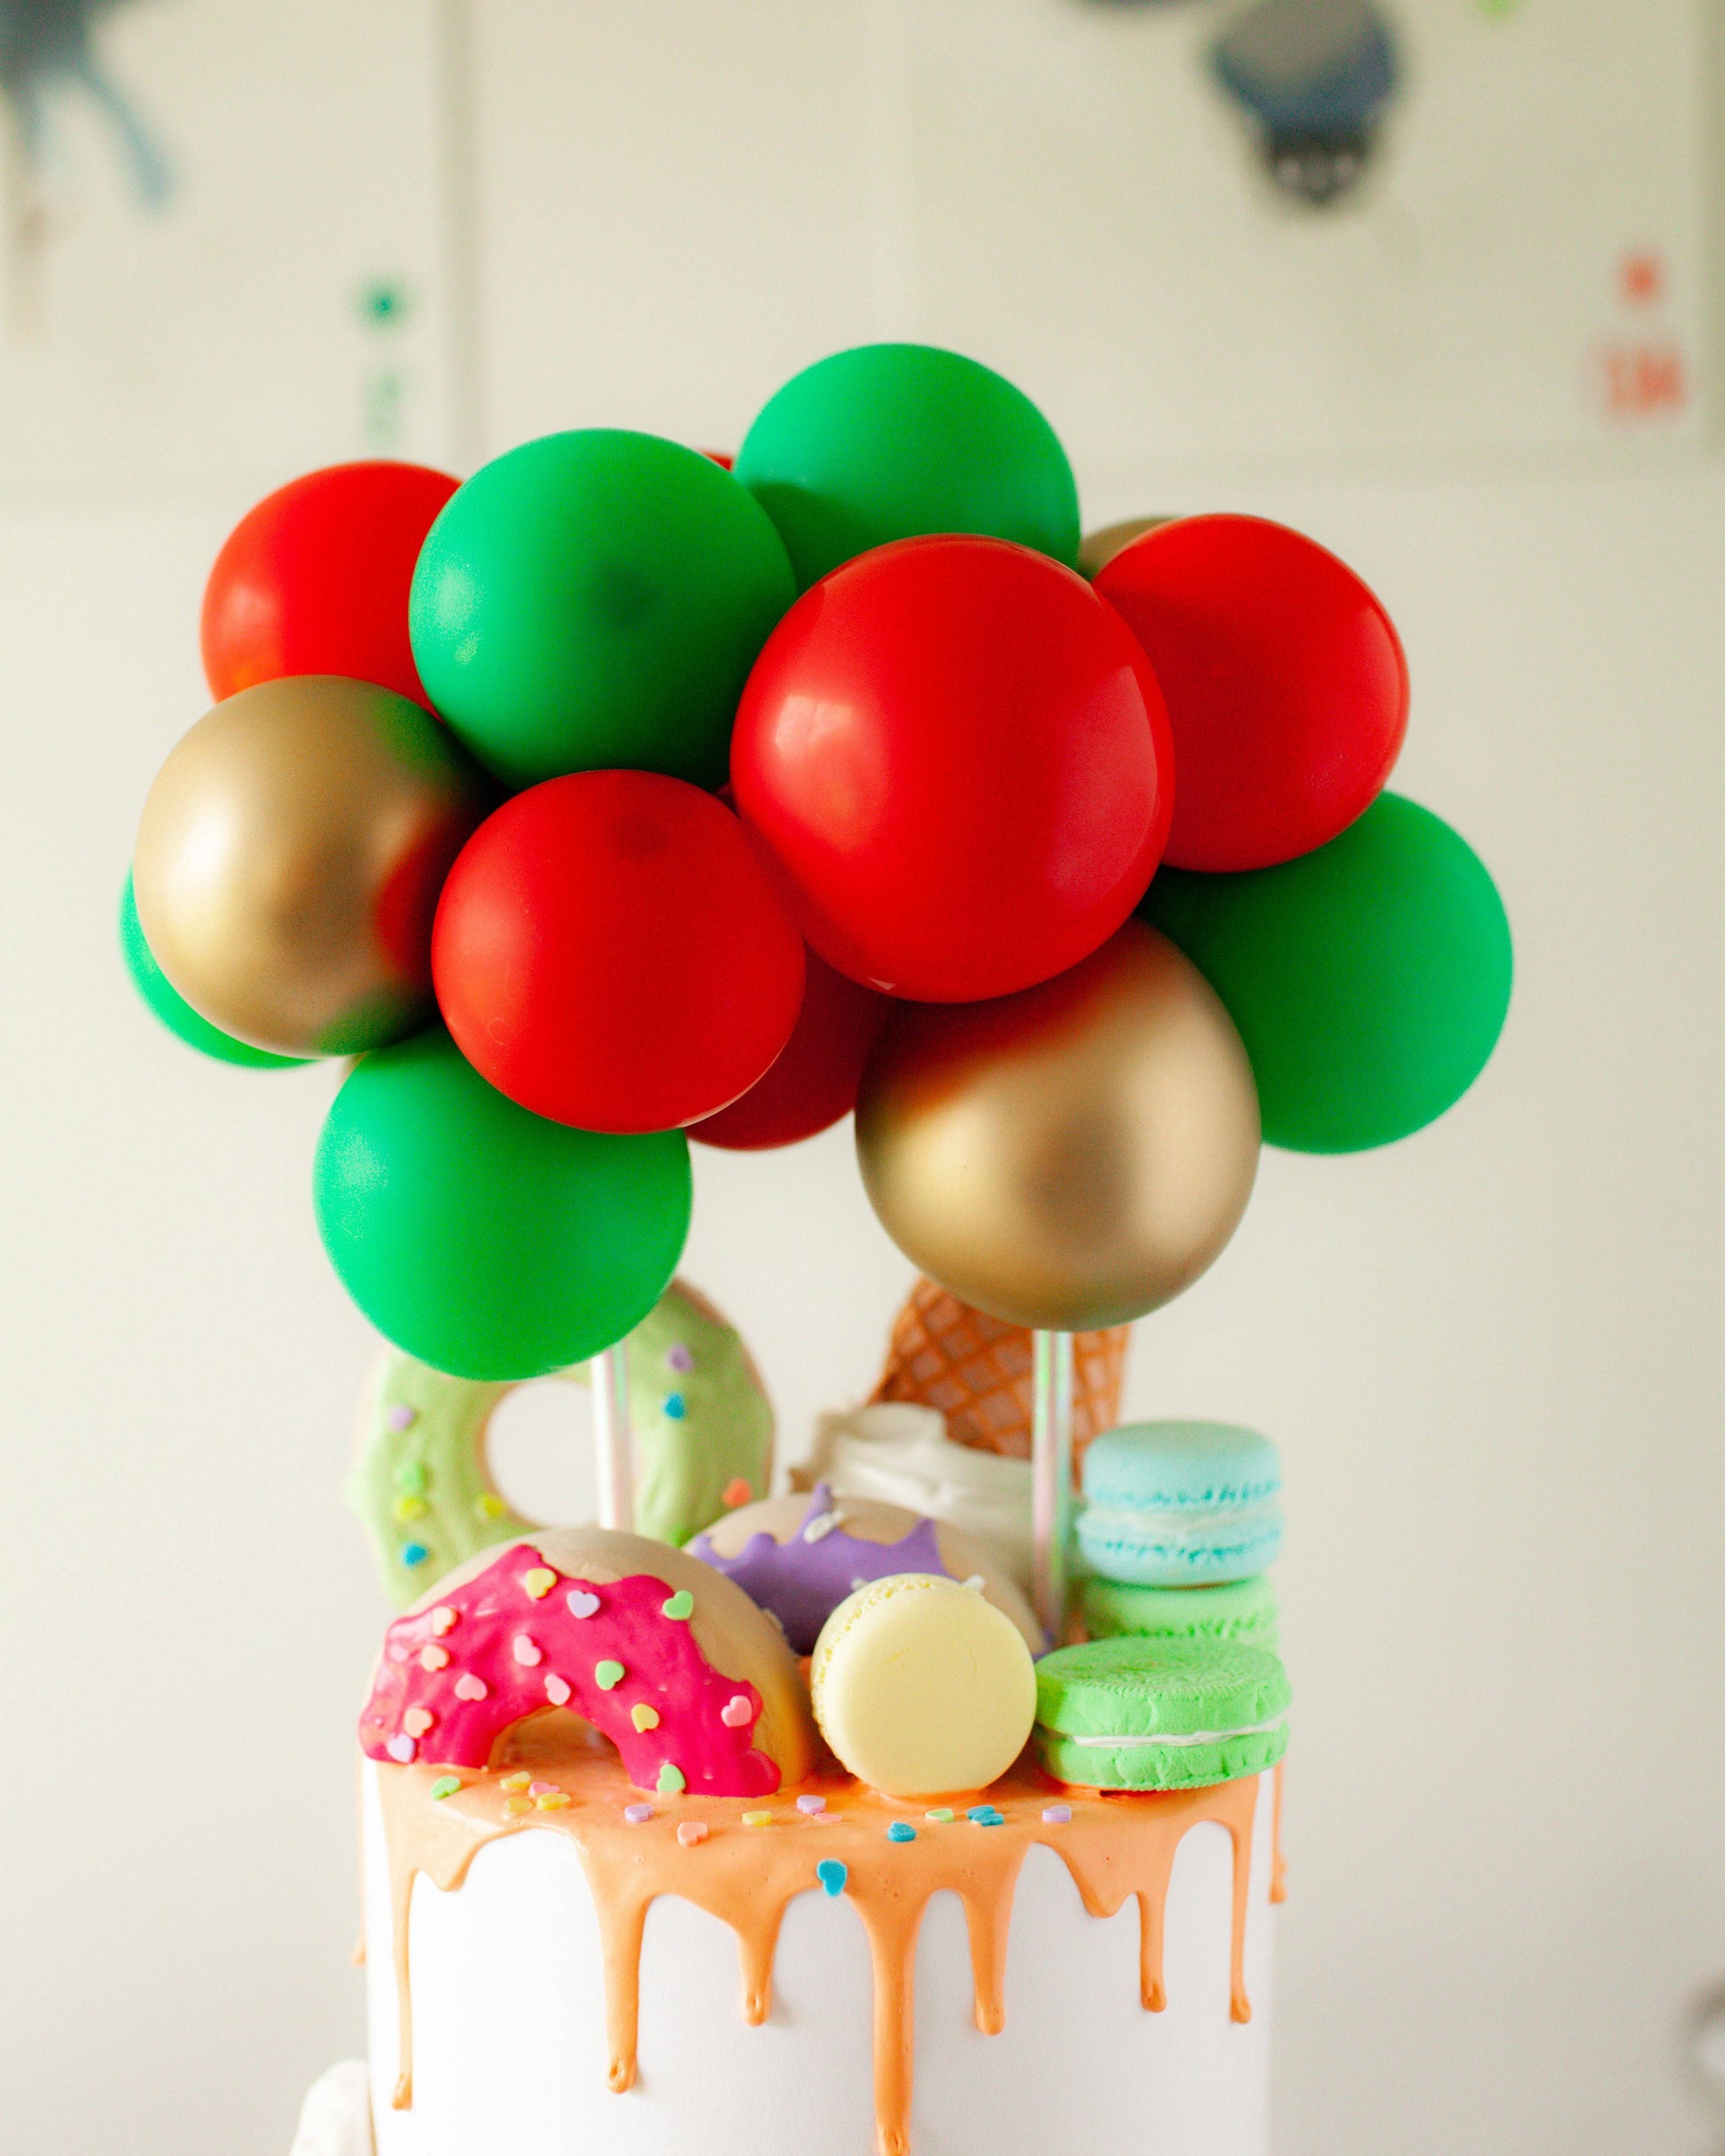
1160 1714
1244 1610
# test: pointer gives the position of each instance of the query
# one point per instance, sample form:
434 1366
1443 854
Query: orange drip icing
1278 1867
1113 1847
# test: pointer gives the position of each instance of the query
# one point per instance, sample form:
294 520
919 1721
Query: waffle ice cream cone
978 1370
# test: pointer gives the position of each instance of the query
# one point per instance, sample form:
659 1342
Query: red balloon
814 1081
609 952
315 580
959 758
1286 684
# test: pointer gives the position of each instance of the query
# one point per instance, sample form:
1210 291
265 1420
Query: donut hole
549 1738
539 1448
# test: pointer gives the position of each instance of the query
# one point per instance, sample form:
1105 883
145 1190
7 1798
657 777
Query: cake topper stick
613 1455
1050 1479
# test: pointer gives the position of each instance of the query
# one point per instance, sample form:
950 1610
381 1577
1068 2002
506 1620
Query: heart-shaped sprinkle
517 1807
643 1716
555 1803
736 1492
832 1875
690 1832
608 1676
678 1358
681 1604
412 1477
516 1782
1058 1814
736 1713
811 1807
900 1830
540 1581
414 1553
941 1815
433 1657
443 1618
540 1789
445 1785
637 1814
582 1604
401 1418
402 1748
526 1652
557 1692
489 1505
409 1507
470 1687
672 1781
415 1722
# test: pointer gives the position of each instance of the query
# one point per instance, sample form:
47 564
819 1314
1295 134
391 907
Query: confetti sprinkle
832 1875
607 1676
445 1785
690 1832
678 1358
675 1407
433 1657
411 1476
757 1818
516 1781
443 1618
942 1816
543 1789
582 1604
401 1418
526 1652
554 1802
736 1713
409 1508
672 1781
822 1525
736 1492
414 1553
539 1582
637 1814
401 1750
643 1716
1057 1815
489 1505
415 1722
517 1807
557 1692
811 1806
900 1830
681 1604
470 1687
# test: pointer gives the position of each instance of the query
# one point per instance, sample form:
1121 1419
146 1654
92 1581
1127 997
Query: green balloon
594 601
172 1008
1368 980
891 441
483 1239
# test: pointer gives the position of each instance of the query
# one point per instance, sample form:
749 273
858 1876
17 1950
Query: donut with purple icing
672 1662
799 1557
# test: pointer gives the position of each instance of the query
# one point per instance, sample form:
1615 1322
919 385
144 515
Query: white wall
1491 1354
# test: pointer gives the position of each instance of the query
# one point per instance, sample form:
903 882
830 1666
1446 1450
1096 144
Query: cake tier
564 1982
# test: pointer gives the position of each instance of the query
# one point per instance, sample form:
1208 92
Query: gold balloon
1097 548
1070 1157
289 860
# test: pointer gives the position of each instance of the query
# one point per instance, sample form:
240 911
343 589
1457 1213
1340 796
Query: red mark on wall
1644 380
1641 278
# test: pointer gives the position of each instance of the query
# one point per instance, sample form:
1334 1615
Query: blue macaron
1179 1504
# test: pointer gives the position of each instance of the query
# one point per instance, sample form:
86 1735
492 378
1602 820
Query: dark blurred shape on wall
1315 79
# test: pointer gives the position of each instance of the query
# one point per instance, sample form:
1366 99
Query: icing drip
1115 1847
1279 1869
803 1581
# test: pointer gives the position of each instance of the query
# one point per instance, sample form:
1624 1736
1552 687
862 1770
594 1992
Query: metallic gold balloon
289 860
1070 1157
1097 548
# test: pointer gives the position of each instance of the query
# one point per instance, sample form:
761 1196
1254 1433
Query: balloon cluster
619 795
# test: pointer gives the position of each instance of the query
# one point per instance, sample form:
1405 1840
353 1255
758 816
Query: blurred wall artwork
222 240
1477 226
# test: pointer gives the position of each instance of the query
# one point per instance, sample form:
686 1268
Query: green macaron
1160 1714
1244 1609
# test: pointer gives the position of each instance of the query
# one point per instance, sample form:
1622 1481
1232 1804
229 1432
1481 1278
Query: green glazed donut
701 1422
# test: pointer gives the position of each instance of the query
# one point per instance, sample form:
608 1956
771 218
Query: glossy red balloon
814 1080
314 579
959 757
609 952
1286 684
